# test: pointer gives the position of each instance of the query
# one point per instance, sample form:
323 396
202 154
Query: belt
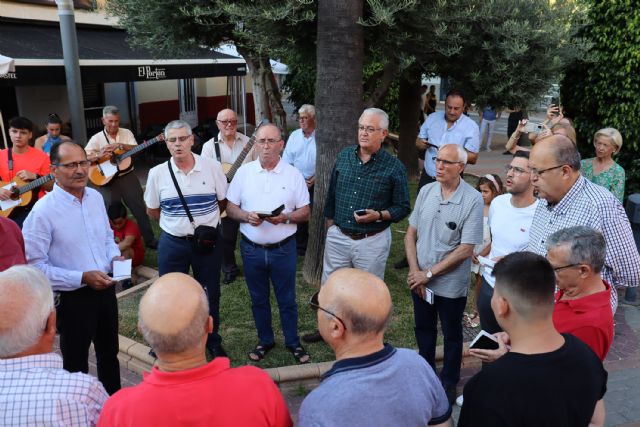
187 237
360 236
267 245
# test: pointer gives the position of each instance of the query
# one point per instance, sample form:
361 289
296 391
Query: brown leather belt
360 236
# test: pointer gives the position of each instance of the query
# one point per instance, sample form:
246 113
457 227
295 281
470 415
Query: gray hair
566 152
177 124
30 320
307 108
586 245
462 153
110 109
182 340
360 323
384 117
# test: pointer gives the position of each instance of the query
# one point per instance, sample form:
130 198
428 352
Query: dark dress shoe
152 244
450 391
228 278
312 337
126 284
217 351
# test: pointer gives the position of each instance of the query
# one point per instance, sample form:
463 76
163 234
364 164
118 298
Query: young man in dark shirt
547 378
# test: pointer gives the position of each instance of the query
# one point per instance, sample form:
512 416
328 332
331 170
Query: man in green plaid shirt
368 191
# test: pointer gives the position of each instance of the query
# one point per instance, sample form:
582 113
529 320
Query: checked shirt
380 184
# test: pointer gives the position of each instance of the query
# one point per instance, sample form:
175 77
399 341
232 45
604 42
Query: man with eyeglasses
568 199
124 186
269 198
300 152
510 217
23 162
67 236
444 227
204 188
226 148
371 383
367 192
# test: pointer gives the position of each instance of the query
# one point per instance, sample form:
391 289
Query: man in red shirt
12 247
23 162
126 233
182 388
583 305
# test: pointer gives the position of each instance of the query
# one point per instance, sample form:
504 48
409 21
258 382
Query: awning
6 64
105 56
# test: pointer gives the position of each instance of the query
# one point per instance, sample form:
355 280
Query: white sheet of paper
121 270
8 204
108 168
486 262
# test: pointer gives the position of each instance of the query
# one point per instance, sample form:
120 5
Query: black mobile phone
273 213
361 212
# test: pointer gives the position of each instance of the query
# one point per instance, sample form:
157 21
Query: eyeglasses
443 161
227 122
538 172
84 164
603 145
368 129
556 269
303 118
178 138
516 170
313 302
267 141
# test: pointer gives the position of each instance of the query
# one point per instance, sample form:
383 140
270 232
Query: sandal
300 354
261 350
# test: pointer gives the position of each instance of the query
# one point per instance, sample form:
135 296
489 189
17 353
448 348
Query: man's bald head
361 299
561 149
173 314
26 302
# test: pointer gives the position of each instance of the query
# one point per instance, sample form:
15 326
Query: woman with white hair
602 169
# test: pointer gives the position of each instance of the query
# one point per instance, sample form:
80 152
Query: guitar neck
35 184
243 154
137 149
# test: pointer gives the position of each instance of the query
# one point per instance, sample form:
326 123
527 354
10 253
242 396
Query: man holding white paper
68 237
444 226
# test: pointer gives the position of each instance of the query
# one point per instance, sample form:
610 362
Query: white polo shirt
229 154
98 141
256 189
202 187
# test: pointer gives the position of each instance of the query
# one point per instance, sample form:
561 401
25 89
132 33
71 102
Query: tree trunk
409 104
338 102
267 101
381 90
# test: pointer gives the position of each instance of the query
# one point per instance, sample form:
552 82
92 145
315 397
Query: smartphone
361 212
428 295
533 127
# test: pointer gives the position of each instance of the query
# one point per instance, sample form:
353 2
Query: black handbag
204 236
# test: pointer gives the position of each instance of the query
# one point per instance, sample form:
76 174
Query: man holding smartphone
444 227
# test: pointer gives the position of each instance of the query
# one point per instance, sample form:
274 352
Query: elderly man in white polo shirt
268 246
444 226
300 152
204 188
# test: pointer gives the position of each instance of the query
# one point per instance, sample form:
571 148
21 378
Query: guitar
24 192
231 169
107 166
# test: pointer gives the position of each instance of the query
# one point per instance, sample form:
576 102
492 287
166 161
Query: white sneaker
460 400
488 150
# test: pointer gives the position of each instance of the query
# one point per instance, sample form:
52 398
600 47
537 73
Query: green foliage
604 90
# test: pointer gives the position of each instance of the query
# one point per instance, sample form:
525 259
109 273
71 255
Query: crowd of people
550 249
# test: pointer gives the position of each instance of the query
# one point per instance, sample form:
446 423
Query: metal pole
72 69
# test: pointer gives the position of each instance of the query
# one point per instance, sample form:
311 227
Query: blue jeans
279 266
426 315
177 255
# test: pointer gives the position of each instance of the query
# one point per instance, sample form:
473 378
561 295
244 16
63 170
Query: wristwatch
288 221
429 274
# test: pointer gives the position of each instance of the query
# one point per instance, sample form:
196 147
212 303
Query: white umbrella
6 65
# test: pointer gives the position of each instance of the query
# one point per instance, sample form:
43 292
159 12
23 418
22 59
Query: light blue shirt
300 153
463 132
65 237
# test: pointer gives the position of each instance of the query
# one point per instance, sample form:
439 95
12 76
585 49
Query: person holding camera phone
187 194
268 242
444 227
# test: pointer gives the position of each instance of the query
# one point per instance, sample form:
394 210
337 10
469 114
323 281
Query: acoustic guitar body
25 198
95 173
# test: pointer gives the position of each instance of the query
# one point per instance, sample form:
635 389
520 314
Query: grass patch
238 329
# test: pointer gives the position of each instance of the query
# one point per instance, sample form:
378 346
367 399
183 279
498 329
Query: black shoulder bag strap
184 202
217 147
10 159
